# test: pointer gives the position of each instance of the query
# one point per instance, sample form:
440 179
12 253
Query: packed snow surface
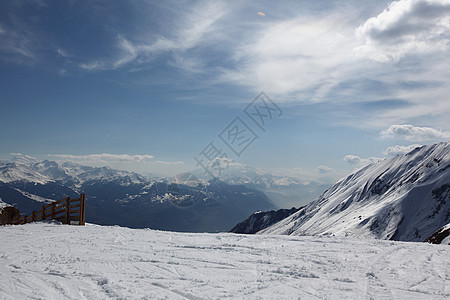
50 261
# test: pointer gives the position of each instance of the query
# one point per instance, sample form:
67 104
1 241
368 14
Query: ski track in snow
48 261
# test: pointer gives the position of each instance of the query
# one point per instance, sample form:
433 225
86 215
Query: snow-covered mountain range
284 191
404 198
29 169
124 198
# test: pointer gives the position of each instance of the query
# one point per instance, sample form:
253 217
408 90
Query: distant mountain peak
23 158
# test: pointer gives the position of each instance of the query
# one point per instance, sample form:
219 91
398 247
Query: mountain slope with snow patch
404 198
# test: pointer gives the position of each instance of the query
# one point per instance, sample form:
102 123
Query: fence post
68 211
53 211
43 213
82 208
18 220
33 218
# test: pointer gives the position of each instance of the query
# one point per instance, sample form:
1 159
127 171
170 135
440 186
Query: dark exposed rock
9 215
260 220
438 236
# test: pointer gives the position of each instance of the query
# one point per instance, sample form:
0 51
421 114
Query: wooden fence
67 211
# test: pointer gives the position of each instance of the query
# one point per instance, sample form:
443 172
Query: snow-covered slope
16 171
403 198
47 261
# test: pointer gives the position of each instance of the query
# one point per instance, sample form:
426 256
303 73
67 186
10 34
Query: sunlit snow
49 261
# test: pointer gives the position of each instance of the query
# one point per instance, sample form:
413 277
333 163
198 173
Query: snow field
50 261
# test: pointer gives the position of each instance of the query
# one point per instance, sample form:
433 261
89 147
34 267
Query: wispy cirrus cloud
188 32
130 52
22 39
17 43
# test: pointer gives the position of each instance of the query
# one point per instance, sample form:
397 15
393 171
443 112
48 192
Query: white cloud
324 169
397 149
160 162
295 54
104 157
359 162
62 72
320 58
414 133
352 159
308 56
92 66
62 53
305 53
406 27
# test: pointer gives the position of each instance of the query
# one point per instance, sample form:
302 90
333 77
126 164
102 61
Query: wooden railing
67 211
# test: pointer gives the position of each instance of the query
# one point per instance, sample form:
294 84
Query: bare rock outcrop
9 215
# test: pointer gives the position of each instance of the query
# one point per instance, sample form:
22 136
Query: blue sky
147 85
